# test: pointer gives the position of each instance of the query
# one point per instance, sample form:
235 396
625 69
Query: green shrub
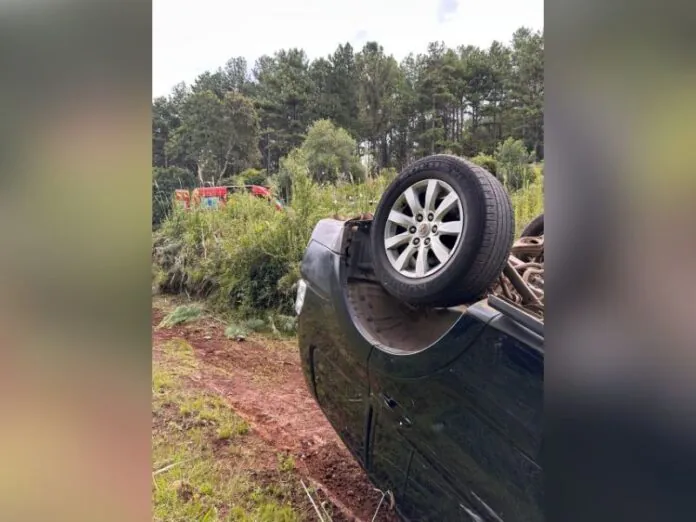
331 153
255 324
253 177
285 323
487 162
182 314
234 331
247 255
513 164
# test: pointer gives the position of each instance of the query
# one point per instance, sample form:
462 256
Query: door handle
404 422
389 402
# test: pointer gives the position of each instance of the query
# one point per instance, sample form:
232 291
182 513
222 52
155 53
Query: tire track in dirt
264 384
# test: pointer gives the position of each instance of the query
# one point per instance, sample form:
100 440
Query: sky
191 37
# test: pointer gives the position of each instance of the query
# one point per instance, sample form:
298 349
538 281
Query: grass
286 463
197 441
182 314
236 331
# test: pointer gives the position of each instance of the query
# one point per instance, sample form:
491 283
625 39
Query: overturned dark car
421 338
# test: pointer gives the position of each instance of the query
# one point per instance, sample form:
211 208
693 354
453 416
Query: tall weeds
528 202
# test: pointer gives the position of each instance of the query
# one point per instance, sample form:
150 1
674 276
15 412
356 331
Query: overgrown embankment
246 256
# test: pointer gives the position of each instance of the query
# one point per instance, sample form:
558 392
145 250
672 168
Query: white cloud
192 37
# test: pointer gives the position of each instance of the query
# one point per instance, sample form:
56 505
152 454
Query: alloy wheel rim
424 228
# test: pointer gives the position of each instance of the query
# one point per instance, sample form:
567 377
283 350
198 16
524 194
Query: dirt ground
263 383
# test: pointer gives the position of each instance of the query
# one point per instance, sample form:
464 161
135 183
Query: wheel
535 227
442 232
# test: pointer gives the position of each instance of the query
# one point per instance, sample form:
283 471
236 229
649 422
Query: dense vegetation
328 135
246 256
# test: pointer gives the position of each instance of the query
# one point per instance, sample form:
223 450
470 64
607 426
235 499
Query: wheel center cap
423 229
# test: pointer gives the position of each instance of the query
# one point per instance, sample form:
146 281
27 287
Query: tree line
463 100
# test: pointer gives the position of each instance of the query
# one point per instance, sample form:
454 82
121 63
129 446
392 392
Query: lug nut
419 217
416 241
427 241
431 216
434 229
412 230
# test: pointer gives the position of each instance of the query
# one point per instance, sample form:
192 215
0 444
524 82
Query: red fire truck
215 197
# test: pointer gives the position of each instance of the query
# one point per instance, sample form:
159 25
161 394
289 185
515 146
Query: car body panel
454 430
476 424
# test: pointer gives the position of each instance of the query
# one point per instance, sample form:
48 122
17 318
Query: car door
391 454
334 355
472 427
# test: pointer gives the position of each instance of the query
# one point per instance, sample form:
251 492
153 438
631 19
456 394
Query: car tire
454 194
534 228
